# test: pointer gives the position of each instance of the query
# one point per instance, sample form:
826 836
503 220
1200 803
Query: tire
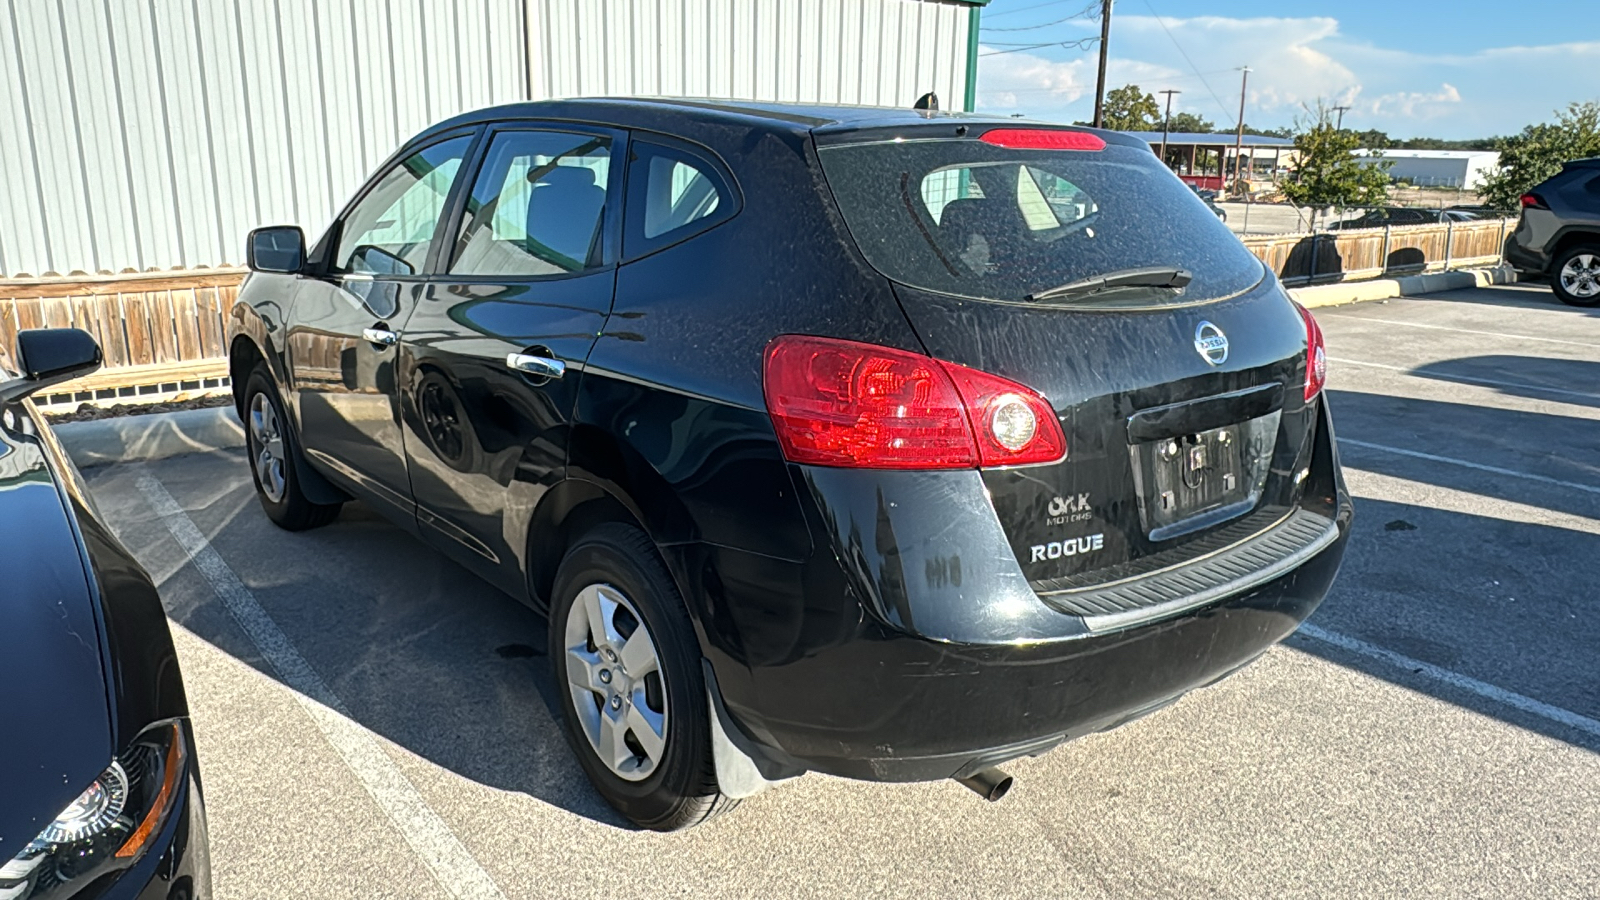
274 453
1575 276
667 782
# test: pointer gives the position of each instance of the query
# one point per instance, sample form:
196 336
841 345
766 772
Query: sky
1449 69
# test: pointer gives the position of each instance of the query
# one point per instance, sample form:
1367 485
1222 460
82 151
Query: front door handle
383 337
537 366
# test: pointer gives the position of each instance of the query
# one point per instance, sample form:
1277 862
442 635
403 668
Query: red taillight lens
843 403
1316 355
1533 201
1042 139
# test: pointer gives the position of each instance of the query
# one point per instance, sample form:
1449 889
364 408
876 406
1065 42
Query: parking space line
427 834
1450 460
1467 378
1499 334
1520 702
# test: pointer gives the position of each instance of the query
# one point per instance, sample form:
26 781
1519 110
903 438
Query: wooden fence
169 328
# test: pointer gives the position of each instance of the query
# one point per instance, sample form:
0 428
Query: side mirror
279 248
49 356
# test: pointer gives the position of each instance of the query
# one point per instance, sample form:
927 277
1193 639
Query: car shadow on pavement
1520 295
1497 601
1567 380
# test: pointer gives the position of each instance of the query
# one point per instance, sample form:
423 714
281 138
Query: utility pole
1166 123
1340 110
1100 82
1238 140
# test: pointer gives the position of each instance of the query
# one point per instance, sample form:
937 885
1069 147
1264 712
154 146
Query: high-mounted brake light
843 403
1533 201
1042 139
1316 355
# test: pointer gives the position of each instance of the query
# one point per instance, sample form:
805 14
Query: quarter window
537 207
672 195
390 231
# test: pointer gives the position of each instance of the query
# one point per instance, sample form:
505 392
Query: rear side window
972 219
537 206
673 193
390 231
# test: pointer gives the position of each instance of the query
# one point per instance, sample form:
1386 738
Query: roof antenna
930 101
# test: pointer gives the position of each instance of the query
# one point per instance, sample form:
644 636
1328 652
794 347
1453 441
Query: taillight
1316 355
1042 139
1533 201
843 403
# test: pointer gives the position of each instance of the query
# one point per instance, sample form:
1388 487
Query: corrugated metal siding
876 52
155 133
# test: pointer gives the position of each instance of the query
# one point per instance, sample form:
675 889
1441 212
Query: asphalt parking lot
374 722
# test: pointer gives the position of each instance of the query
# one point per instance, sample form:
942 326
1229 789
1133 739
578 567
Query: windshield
975 220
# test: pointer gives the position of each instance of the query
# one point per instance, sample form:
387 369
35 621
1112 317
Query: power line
1080 44
1086 12
1024 9
1226 113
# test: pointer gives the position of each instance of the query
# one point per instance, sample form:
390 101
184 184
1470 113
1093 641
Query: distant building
1207 160
1437 168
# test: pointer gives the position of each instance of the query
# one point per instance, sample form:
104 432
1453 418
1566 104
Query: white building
1438 168
154 135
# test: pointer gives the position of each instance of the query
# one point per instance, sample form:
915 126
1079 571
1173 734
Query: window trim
635 245
610 227
320 259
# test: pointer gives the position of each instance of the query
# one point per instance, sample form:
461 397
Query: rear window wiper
1153 276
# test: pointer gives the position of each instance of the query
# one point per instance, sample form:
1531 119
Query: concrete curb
1406 286
153 436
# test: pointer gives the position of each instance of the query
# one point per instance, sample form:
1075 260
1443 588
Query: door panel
530 274
344 336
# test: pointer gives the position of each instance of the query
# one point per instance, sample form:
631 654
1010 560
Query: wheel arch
1570 238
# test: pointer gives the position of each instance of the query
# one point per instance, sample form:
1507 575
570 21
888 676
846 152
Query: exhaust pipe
990 784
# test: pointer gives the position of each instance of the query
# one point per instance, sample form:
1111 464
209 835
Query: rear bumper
1525 261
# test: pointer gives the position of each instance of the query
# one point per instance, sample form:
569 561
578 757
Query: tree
1129 109
1373 139
1191 123
1539 151
1269 132
1328 173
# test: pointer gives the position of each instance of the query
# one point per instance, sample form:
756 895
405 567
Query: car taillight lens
1316 355
1533 201
843 403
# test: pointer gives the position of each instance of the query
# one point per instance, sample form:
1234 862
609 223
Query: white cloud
1295 62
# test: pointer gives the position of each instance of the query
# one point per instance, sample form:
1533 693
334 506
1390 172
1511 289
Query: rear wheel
274 453
1576 280
627 667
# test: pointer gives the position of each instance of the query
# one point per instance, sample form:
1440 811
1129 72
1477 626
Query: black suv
888 444
1558 236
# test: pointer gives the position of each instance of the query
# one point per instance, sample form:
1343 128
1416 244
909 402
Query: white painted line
1411 371
1484 689
428 835
1499 334
1450 460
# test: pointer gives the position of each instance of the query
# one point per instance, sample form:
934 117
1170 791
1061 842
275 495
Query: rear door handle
383 337
537 366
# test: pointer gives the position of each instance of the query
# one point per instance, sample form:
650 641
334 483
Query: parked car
99 790
1402 215
1558 234
827 441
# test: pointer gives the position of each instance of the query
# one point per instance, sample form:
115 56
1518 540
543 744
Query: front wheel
1577 276
274 454
627 667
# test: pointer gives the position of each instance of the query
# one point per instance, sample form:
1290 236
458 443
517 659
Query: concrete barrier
1404 286
151 436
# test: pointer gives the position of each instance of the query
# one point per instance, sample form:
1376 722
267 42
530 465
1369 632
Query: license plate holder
1194 481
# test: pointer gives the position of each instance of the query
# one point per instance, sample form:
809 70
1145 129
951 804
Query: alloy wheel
267 443
1580 277
615 678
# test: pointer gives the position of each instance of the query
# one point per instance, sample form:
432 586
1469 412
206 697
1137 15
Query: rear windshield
967 218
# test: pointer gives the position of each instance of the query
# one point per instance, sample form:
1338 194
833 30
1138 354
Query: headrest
565 177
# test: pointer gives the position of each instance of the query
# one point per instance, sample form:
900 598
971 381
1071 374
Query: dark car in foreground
99 791
1558 234
888 444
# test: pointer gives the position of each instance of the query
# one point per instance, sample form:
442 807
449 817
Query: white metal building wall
874 52
153 134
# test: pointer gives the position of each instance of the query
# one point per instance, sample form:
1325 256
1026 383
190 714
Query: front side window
390 231
537 206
